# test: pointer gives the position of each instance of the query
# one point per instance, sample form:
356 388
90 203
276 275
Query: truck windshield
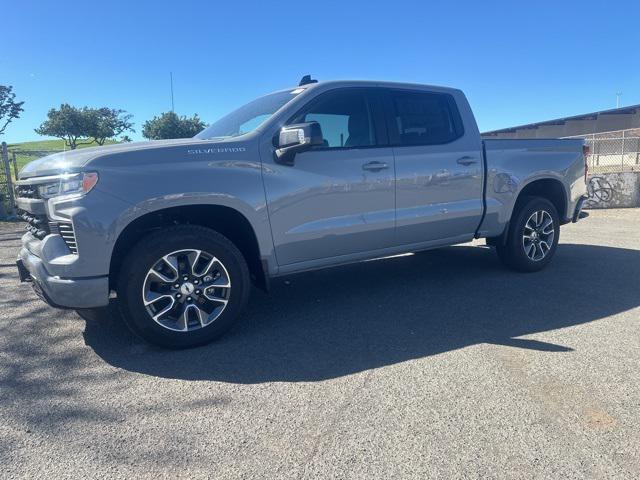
248 117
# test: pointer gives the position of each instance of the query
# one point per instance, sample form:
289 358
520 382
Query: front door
336 200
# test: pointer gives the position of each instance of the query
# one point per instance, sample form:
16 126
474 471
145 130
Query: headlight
69 185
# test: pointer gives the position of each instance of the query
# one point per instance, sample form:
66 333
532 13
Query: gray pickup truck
326 173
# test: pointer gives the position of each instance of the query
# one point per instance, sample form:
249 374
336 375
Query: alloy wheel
186 290
538 235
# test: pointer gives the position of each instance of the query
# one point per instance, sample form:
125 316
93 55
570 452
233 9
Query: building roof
630 110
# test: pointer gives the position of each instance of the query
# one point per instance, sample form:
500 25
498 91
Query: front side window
425 118
345 119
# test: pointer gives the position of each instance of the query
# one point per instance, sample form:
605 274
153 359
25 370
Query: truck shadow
336 322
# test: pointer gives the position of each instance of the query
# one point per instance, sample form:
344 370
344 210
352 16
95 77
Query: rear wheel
183 286
532 237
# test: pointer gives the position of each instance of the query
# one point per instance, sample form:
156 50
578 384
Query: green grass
39 145
43 147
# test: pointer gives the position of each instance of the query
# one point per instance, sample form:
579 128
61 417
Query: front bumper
62 292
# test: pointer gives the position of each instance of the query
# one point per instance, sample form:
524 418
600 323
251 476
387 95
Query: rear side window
425 118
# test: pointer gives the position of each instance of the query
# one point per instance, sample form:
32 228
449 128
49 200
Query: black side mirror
295 139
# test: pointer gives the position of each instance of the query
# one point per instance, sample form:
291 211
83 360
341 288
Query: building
606 121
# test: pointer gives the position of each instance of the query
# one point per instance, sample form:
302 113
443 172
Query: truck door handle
375 166
466 160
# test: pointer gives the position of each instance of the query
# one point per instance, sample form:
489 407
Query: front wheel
183 286
533 235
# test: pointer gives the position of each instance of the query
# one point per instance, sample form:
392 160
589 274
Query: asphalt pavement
440 364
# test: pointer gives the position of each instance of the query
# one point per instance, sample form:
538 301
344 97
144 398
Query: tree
108 123
170 125
125 139
69 123
9 108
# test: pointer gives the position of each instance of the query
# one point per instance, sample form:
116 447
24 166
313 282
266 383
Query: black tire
147 252
512 252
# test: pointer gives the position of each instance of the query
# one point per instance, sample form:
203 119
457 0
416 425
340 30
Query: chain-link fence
613 151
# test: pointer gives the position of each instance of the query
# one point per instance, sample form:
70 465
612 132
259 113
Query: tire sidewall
147 252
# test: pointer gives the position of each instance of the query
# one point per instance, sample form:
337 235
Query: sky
518 62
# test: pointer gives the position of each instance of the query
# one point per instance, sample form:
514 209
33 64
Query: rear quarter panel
514 164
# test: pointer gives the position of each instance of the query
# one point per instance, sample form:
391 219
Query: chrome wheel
538 235
186 290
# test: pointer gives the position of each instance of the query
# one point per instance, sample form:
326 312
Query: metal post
15 165
622 151
171 79
7 171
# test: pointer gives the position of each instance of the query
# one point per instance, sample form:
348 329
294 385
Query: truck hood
74 160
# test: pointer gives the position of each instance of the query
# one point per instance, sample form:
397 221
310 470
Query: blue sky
518 62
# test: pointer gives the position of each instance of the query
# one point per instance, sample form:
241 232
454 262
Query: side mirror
295 139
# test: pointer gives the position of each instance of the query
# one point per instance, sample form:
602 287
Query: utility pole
618 95
171 80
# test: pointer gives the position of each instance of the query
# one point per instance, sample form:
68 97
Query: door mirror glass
295 139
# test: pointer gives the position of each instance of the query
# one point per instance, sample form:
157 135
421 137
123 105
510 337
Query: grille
65 230
40 227
27 191
36 224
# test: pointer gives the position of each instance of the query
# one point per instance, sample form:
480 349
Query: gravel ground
436 365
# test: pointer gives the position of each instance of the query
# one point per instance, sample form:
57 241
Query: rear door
336 200
438 161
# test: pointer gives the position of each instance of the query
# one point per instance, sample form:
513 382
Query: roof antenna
306 80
